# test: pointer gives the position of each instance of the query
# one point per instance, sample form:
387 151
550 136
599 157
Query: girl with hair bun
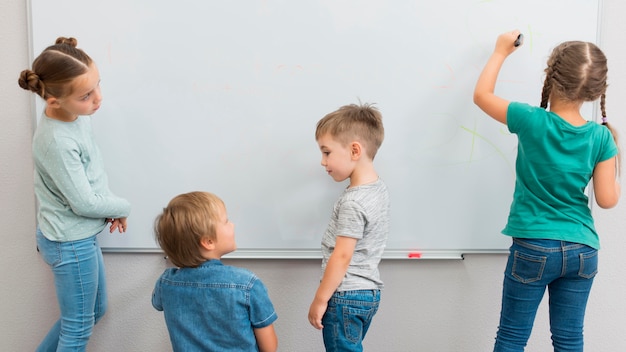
75 203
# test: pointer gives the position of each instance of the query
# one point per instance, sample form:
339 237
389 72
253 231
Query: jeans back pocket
588 264
528 268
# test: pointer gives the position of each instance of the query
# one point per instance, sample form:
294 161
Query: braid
547 88
552 76
603 108
613 131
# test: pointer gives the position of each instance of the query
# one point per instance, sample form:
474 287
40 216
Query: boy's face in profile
224 235
336 158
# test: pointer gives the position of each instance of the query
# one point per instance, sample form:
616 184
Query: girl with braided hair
75 203
554 241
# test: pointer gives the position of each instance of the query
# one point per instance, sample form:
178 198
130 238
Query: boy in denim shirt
208 306
355 239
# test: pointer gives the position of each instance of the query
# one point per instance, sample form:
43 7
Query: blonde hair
577 72
187 219
354 122
55 68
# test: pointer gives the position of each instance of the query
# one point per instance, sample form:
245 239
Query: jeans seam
564 266
562 248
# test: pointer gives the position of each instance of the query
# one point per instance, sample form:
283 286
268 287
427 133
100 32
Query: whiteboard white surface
223 96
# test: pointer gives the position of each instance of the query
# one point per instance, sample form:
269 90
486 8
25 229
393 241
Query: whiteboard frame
248 253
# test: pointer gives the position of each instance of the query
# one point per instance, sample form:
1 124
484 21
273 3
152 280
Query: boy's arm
333 275
266 339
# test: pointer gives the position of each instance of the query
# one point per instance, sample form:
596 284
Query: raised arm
484 96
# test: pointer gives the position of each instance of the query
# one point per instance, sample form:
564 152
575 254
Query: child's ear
355 150
53 102
207 243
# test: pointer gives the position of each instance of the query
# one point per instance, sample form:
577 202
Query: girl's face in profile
85 98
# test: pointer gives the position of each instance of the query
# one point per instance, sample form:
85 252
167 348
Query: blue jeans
79 279
567 270
347 319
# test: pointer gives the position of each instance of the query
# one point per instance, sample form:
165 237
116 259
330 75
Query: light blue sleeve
87 195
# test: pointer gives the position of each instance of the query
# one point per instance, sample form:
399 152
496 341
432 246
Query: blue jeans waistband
550 246
360 292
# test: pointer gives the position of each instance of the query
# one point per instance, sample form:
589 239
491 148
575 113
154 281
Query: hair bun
71 41
29 80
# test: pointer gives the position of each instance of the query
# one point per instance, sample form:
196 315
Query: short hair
187 219
362 123
55 68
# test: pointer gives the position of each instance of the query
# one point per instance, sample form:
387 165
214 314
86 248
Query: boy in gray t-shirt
355 239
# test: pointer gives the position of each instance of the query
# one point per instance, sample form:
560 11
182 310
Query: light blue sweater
70 182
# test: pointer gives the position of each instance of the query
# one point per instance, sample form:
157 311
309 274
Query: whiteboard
224 96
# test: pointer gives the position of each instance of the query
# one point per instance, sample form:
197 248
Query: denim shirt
213 307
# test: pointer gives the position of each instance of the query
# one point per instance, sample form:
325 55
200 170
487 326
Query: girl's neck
568 111
60 114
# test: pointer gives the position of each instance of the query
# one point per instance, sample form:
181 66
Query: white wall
433 305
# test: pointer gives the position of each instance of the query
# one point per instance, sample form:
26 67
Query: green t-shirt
555 162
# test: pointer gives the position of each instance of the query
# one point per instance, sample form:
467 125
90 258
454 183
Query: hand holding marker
519 40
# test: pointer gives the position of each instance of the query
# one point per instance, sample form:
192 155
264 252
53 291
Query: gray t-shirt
361 212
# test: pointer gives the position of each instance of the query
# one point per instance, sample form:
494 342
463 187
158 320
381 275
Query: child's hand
119 224
505 44
316 312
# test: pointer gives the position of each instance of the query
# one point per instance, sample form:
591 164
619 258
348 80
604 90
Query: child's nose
97 95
